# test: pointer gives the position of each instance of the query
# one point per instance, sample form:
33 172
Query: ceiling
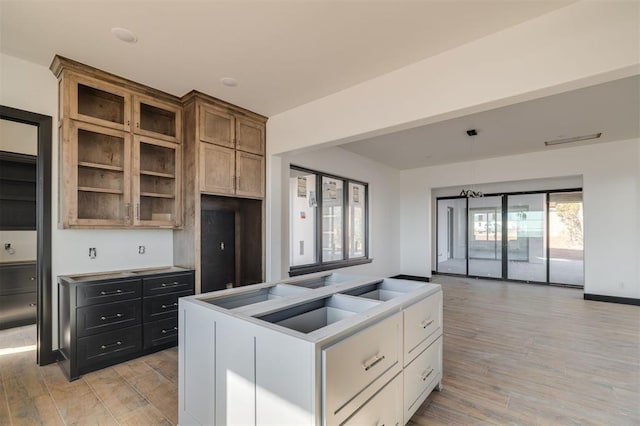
283 53
612 108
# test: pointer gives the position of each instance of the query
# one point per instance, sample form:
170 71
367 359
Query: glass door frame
505 260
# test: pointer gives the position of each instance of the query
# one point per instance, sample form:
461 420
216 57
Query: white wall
611 177
576 46
384 228
34 88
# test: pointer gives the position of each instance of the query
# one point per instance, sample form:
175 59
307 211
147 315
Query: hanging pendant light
470 193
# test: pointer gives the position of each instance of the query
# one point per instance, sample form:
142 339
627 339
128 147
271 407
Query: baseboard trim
412 278
612 299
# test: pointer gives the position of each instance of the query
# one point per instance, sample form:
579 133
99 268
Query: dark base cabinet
105 319
18 294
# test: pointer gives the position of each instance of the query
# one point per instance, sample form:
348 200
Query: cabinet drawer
421 376
18 278
161 307
168 284
385 408
106 317
356 367
108 348
422 325
17 309
161 332
106 292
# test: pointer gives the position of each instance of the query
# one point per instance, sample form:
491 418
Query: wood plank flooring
513 354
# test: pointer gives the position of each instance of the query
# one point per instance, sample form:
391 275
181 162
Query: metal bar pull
426 374
169 306
173 284
110 345
372 362
128 216
112 317
107 293
164 331
425 323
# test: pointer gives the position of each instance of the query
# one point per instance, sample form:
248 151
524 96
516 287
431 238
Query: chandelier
470 193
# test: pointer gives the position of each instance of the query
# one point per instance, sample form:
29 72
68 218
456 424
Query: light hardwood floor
513 354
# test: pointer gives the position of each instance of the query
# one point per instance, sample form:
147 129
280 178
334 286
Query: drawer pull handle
369 365
173 284
165 331
170 306
107 293
112 317
425 323
110 345
426 374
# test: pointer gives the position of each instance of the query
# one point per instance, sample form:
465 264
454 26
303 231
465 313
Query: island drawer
356 367
422 325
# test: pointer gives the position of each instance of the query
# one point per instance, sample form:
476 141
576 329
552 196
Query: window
328 221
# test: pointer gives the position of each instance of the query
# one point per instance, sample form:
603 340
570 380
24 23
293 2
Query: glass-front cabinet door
157 119
95 173
156 183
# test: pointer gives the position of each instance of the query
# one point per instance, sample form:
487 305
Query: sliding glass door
533 237
452 234
485 237
526 237
566 250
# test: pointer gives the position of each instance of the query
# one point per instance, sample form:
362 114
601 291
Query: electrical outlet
92 253
142 249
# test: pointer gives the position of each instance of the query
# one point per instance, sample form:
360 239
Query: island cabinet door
235 373
196 364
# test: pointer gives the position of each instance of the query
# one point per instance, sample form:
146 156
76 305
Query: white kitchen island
323 349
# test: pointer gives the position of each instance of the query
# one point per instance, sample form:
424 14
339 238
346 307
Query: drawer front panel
17 309
103 349
385 408
422 325
421 376
161 332
162 307
106 317
168 284
17 278
353 364
106 292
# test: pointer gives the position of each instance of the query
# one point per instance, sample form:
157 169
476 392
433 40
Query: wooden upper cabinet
249 136
217 127
249 175
96 102
120 158
217 169
157 175
95 176
157 119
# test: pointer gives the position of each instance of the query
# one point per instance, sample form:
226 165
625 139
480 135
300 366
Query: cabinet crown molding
60 64
195 95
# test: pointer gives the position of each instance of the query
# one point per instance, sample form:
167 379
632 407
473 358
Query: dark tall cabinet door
218 250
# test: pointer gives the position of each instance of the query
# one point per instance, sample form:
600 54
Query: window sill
303 270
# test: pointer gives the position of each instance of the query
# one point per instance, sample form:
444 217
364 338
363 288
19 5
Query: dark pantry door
218 249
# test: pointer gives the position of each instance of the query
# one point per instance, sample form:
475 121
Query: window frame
321 265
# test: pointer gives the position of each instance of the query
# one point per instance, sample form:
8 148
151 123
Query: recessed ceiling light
229 81
124 34
573 139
